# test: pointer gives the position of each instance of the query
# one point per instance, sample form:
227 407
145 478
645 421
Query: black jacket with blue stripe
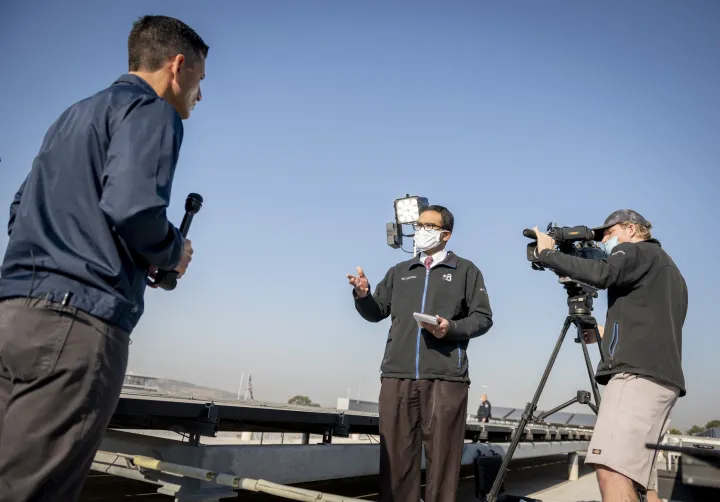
647 306
90 218
453 289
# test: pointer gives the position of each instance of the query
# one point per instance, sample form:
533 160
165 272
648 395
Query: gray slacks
61 373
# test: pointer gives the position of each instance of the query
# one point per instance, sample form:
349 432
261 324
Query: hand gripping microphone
167 279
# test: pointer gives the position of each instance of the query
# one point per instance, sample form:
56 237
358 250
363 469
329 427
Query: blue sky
317 115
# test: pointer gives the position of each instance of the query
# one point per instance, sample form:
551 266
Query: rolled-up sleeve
137 181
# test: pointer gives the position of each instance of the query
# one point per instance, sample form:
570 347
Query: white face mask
427 239
610 244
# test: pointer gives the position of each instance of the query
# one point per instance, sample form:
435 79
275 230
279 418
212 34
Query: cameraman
641 366
86 227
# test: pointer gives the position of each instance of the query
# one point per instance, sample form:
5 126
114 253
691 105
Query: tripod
580 299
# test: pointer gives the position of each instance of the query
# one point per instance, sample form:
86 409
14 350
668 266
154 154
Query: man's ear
446 236
176 64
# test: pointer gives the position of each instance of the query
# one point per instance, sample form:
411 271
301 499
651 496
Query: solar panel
583 420
515 414
559 418
501 412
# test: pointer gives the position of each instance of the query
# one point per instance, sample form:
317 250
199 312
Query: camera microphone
530 234
167 279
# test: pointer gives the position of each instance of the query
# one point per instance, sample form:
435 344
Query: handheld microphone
167 279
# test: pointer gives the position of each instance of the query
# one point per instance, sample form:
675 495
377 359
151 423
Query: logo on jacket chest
447 277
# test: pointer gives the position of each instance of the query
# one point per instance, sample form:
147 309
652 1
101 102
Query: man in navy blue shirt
87 227
484 412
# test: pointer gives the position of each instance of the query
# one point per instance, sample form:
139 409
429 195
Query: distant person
484 412
641 367
87 227
424 390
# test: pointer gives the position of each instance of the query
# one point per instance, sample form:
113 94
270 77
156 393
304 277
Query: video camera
574 241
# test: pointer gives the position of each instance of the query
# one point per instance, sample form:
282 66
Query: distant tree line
302 401
696 429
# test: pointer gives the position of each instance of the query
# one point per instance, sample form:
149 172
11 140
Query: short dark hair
448 221
155 39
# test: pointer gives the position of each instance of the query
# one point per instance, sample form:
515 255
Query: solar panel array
559 418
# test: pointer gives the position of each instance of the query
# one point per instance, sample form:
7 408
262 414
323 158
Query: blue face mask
610 244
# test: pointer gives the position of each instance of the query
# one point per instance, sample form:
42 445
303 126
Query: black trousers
61 373
413 413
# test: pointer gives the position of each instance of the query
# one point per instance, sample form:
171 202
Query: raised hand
544 241
360 283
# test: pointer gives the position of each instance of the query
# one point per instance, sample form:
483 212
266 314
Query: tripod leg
599 344
527 415
588 363
542 416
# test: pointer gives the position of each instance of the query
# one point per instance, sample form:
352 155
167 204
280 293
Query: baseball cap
621 216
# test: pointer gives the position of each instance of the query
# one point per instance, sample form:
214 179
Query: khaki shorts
634 410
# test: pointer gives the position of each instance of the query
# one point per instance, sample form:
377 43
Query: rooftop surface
544 479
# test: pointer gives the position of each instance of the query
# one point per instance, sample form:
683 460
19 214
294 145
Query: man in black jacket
484 412
87 227
641 345
424 390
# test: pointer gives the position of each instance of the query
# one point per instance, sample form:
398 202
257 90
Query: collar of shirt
437 257
129 78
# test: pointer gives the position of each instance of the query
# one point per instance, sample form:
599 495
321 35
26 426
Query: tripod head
580 297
